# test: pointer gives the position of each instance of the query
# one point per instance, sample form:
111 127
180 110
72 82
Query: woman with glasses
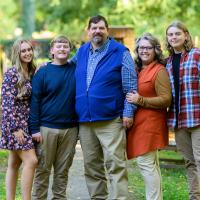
149 132
183 66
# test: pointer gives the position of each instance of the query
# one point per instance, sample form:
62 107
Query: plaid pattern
129 77
189 101
93 60
129 82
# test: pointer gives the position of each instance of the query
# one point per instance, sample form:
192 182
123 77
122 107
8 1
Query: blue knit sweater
53 98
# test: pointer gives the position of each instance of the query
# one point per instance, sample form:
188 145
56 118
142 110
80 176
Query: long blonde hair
16 61
188 45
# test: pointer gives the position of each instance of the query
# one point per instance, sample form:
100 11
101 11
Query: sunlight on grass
3 167
173 180
170 154
3 160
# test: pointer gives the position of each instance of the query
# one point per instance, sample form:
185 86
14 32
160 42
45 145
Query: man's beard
98 40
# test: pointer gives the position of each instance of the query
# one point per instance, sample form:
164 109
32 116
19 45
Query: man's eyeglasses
142 48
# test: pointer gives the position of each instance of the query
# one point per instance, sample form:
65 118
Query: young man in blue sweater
104 74
53 120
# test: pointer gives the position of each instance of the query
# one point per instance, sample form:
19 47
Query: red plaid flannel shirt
189 94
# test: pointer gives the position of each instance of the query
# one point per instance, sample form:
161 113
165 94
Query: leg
195 136
184 145
93 162
46 156
111 135
64 156
29 160
14 163
150 170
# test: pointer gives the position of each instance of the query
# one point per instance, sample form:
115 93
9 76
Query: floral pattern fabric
15 112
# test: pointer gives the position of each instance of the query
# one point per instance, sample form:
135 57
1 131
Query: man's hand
19 135
41 65
37 137
127 122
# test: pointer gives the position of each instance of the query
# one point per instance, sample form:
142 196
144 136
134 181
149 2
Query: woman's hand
19 135
132 97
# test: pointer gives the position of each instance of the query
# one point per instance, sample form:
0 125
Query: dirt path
77 189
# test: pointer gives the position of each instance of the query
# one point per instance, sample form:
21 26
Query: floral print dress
15 112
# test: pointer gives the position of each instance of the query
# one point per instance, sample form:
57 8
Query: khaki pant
57 150
188 143
150 170
103 144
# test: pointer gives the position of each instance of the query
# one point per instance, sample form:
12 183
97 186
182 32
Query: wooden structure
124 35
170 162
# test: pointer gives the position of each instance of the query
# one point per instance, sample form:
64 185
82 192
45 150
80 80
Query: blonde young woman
16 91
183 66
149 132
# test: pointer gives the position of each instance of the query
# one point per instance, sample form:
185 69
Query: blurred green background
42 20
70 16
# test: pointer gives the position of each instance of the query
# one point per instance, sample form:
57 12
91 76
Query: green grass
174 180
3 166
170 154
3 156
3 163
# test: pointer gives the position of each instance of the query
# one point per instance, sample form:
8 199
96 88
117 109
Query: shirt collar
100 49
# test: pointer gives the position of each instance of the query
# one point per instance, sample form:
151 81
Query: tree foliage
142 15
71 16
67 16
155 15
8 18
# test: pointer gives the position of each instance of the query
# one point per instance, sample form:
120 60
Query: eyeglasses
142 48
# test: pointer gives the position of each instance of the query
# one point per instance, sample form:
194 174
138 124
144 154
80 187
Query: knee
31 162
14 162
147 166
14 165
34 162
